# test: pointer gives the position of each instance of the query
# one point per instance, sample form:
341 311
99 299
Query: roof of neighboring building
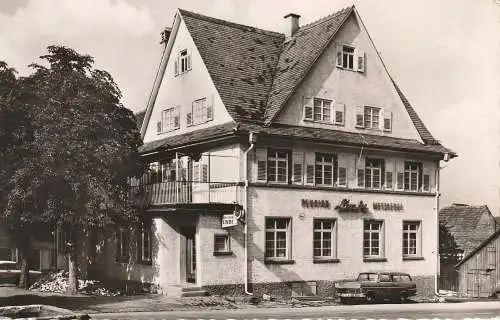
479 247
256 71
299 132
462 220
139 118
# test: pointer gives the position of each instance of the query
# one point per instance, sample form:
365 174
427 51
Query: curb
64 314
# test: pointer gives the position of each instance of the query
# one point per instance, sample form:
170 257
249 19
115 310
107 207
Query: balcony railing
185 192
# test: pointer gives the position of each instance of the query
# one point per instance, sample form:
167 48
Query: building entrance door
188 254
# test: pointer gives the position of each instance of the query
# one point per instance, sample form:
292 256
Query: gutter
251 139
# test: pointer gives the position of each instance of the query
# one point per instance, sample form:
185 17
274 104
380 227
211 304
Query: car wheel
370 298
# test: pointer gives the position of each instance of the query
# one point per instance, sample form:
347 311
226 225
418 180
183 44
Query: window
324 239
277 165
183 62
122 245
372 239
368 277
221 244
411 239
170 119
201 112
325 169
347 57
144 242
371 116
322 110
374 173
278 238
412 176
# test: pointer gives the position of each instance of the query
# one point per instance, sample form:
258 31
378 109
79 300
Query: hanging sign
229 220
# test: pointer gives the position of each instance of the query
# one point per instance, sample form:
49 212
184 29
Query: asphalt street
468 310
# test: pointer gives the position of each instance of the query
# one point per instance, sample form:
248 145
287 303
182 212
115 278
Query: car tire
370 298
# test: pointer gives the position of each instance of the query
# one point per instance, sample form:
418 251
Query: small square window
222 244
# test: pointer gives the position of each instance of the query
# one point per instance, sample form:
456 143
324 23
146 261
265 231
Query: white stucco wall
370 88
183 89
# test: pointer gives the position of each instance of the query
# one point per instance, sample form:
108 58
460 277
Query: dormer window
183 62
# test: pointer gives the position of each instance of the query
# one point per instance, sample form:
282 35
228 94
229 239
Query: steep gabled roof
241 61
462 221
299 56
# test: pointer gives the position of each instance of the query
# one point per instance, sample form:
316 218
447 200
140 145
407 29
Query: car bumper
350 295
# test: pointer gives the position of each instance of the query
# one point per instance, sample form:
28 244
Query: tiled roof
479 247
241 61
139 118
297 132
298 57
462 221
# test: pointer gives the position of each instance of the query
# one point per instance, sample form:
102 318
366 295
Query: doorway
188 254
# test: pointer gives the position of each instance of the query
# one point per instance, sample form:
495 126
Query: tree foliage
449 252
80 150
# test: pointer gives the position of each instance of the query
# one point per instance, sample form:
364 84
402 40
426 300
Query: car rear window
401 278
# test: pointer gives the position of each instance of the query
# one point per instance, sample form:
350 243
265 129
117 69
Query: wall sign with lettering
346 206
307 203
387 206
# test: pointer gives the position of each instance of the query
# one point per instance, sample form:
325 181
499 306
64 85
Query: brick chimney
291 25
165 35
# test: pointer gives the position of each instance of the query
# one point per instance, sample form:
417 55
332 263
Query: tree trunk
73 267
24 276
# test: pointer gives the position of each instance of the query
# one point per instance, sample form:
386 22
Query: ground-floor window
324 238
122 242
144 242
278 237
411 239
222 244
373 244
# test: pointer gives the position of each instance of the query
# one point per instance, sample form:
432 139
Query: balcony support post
176 177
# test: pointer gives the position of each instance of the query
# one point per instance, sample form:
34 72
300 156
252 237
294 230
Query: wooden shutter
196 172
426 185
176 117
429 170
189 118
360 172
204 172
388 180
210 108
188 61
158 127
261 165
308 109
387 121
360 117
359 55
339 56
400 175
339 115
389 173
342 164
298 168
310 158
176 65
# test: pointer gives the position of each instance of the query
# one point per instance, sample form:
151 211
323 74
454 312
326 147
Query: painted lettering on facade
346 206
387 206
307 203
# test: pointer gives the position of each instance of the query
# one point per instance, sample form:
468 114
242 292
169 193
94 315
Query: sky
444 54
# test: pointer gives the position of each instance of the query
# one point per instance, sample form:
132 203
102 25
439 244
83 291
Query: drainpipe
446 158
251 138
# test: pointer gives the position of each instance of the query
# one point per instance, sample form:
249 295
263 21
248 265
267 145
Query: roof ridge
325 18
230 23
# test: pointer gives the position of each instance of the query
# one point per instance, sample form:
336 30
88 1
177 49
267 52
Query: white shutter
343 161
389 174
359 55
339 56
387 121
428 178
339 115
400 174
261 165
308 109
210 108
189 61
298 168
189 118
196 171
177 111
360 172
158 127
360 117
310 158
176 66
204 172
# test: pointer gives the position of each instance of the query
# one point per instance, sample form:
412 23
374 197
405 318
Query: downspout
438 264
251 139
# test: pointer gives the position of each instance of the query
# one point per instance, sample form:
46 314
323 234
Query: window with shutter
388 180
309 165
387 121
342 177
204 173
185 61
348 57
412 176
170 119
360 55
426 183
339 114
298 164
360 117
308 108
277 165
261 165
339 56
374 173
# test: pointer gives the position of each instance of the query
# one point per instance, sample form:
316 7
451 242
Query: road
467 310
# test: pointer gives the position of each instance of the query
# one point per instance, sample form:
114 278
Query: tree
449 252
84 145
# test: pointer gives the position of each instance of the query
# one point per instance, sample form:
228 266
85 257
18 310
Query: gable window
324 238
201 112
325 169
144 242
277 165
322 110
412 175
371 118
278 237
374 173
183 62
170 119
411 239
122 242
373 239
347 57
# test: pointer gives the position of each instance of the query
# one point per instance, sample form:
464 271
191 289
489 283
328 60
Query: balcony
186 192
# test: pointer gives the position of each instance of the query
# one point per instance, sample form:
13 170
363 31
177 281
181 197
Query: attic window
350 58
347 57
183 62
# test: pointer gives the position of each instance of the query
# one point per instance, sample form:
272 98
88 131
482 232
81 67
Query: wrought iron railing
184 192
